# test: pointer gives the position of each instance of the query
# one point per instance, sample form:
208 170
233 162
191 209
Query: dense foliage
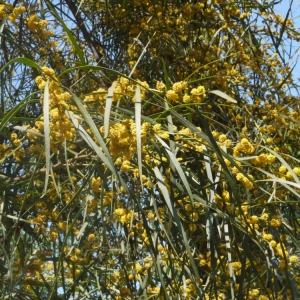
149 149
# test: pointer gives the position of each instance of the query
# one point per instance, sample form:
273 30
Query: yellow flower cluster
124 215
18 155
243 147
122 139
34 23
5 10
4 150
15 13
95 184
160 86
293 259
125 166
197 95
38 28
263 159
61 127
15 139
247 182
178 87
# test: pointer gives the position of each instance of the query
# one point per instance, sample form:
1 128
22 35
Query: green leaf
46 108
138 107
22 60
223 95
108 108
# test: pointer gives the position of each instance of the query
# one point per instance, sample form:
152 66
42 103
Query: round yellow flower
293 259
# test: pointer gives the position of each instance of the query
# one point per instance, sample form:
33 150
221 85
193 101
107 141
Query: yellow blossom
91 236
253 219
275 222
179 86
282 169
192 227
264 217
297 171
186 99
293 259
160 86
172 96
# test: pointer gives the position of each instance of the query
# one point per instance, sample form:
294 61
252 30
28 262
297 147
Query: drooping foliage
149 149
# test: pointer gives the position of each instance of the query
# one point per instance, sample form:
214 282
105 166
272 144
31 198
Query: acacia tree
148 150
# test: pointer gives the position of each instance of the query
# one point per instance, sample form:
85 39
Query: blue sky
282 8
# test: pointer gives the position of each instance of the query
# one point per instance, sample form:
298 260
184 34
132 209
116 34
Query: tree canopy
149 150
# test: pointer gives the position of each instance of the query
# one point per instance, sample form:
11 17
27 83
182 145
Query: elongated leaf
17 218
171 130
223 95
46 107
108 108
56 185
173 211
213 144
285 183
245 158
20 128
140 57
8 116
91 142
178 167
21 60
67 166
82 229
138 108
284 163
163 189
95 130
231 273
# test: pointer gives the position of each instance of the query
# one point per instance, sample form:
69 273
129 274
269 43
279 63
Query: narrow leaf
9 115
223 95
23 60
91 142
163 189
20 128
231 273
46 108
138 108
284 163
108 108
95 130
177 166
